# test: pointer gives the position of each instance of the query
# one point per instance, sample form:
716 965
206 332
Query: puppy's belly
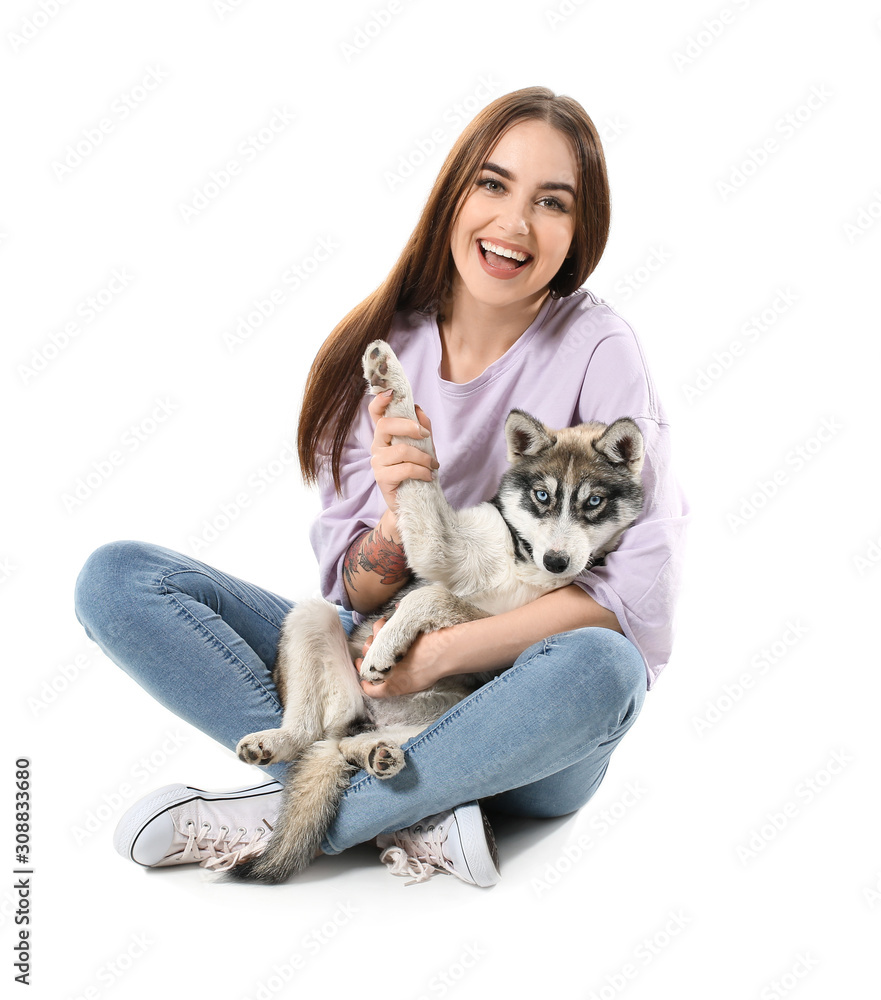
421 708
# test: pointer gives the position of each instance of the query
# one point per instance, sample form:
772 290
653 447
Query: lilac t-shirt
577 361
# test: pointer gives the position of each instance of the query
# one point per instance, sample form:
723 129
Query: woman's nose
512 218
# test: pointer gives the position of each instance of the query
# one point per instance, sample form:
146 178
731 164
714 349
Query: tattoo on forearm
376 554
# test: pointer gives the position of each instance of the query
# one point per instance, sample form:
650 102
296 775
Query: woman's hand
422 666
393 463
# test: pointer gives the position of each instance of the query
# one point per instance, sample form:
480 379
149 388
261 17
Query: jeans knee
107 576
605 669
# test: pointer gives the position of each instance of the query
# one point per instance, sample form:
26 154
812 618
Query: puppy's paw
385 760
383 371
369 672
380 657
270 746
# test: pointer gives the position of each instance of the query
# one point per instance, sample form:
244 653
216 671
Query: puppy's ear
526 435
621 443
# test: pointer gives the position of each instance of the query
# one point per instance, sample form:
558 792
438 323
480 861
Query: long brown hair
422 276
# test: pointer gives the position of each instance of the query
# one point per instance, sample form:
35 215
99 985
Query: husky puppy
560 508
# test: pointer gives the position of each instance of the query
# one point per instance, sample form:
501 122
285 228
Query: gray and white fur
560 508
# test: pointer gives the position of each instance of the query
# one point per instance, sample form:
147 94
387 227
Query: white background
692 891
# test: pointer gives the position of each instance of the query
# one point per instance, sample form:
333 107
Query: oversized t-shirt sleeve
640 579
347 516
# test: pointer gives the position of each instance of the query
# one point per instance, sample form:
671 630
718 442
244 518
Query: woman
485 310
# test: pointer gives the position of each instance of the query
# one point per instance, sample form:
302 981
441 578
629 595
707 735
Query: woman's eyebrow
545 186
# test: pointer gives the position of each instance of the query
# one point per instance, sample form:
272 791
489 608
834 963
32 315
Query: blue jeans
535 741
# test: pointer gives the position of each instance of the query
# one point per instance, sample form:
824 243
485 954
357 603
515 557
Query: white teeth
502 252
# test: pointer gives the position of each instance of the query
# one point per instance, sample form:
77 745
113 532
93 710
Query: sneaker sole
147 809
478 844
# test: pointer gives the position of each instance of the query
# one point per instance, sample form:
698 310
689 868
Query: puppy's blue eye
542 496
594 501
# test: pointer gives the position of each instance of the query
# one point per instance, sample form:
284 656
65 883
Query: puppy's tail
313 789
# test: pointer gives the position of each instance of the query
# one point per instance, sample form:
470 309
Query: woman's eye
542 496
594 501
490 184
554 203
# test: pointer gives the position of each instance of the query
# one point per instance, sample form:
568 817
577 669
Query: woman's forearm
496 642
375 567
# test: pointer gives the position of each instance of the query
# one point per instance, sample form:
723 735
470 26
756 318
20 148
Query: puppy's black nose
556 562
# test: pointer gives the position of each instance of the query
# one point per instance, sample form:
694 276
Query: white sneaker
459 842
179 825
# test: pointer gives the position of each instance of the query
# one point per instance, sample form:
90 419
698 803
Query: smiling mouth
501 258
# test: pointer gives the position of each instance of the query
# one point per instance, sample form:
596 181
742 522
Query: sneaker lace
420 856
225 850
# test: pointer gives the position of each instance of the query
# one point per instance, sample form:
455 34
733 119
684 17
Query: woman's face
522 203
